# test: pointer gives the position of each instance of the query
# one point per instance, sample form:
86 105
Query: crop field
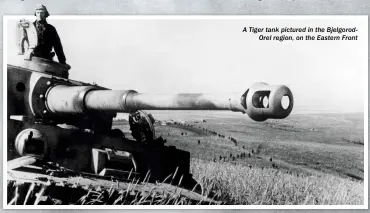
314 159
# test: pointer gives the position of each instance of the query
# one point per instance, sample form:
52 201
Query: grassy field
237 184
304 159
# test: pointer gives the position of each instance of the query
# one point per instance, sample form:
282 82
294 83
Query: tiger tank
60 131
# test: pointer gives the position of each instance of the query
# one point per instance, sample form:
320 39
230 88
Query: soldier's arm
58 48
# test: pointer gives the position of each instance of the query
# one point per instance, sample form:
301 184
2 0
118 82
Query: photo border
181 17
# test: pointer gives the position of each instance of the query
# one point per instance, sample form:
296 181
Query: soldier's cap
43 8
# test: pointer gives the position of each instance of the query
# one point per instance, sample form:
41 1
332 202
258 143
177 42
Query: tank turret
50 95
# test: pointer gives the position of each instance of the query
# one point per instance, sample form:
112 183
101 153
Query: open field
322 152
237 184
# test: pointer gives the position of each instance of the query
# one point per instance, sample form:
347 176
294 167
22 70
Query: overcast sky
212 56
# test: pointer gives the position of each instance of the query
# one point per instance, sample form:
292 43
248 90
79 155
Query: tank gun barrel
141 101
261 101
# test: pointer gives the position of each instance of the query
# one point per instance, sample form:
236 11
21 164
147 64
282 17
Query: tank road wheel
142 126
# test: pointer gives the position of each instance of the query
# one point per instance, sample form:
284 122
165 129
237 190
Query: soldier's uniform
48 38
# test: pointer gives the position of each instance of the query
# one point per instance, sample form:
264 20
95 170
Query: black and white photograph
185 112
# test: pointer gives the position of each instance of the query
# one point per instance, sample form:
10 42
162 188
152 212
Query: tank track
53 185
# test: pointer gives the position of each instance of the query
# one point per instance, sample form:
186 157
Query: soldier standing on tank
47 37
